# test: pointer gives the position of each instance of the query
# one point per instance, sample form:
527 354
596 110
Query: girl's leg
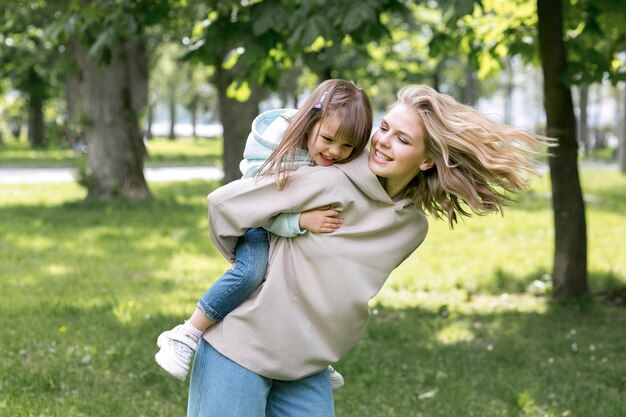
221 388
239 282
308 397
178 344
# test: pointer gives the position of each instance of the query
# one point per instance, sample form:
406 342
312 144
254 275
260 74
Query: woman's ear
427 164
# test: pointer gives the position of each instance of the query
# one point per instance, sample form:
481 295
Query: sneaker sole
170 366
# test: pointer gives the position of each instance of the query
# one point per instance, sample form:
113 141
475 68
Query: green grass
87 287
161 151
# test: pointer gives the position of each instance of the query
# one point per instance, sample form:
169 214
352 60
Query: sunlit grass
87 287
201 151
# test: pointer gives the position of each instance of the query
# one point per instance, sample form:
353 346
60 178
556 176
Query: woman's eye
401 139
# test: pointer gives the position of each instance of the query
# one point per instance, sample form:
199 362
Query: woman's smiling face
398 152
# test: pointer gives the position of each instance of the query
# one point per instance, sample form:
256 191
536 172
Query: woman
269 356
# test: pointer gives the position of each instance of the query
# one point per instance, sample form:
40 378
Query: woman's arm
252 202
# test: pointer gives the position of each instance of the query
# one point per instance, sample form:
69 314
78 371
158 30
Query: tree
251 44
579 43
570 252
109 42
28 59
621 149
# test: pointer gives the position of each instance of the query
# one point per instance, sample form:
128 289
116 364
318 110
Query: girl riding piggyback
332 126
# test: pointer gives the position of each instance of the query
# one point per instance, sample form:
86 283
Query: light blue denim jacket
267 131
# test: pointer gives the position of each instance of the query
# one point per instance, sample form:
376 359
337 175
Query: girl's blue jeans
240 281
221 388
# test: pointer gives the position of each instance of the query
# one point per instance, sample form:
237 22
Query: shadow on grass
488 362
504 282
82 309
505 362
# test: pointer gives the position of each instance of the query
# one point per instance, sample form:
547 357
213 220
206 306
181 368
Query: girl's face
398 152
324 147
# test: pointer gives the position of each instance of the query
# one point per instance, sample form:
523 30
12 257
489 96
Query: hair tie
319 103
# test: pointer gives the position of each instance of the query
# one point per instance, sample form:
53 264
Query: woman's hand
321 220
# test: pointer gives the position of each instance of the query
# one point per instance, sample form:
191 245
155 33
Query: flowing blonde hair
341 99
477 162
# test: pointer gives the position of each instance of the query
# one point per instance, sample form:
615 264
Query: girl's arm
319 220
252 202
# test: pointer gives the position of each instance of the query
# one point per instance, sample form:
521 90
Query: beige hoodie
313 305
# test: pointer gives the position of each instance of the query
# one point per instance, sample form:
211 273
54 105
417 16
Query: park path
24 175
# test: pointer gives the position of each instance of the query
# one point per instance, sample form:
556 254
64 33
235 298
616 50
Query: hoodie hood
359 173
264 120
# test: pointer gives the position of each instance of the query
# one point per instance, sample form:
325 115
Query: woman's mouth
381 156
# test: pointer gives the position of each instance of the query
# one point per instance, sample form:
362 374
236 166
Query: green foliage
595 35
88 286
104 24
27 57
259 41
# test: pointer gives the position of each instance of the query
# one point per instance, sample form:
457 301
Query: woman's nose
384 139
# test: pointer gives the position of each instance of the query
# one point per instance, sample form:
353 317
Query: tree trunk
172 108
113 95
583 103
469 95
35 121
193 111
436 78
149 121
72 121
236 118
621 149
570 247
508 92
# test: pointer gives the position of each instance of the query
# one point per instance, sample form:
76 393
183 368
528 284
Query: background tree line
94 61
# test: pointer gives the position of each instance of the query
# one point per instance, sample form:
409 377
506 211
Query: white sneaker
336 380
177 348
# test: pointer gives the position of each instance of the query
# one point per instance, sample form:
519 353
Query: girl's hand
321 220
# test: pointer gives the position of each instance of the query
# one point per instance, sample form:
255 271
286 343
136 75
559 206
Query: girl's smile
324 147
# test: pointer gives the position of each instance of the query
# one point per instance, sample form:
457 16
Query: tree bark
583 104
72 121
570 230
469 95
149 121
236 118
621 148
508 92
36 121
113 96
193 111
172 109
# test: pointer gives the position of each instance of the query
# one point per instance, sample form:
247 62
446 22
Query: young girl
269 356
333 126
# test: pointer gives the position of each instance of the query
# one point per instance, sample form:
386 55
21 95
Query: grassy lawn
87 287
161 151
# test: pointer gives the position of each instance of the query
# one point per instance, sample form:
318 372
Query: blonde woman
430 154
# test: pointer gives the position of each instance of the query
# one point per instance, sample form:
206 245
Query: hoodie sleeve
251 202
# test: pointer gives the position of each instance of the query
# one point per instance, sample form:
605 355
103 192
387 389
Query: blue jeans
221 388
240 281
